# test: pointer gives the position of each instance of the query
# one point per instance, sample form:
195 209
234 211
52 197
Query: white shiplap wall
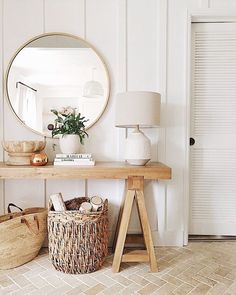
97 22
143 44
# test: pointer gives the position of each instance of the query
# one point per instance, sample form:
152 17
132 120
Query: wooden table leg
118 224
123 230
135 190
146 230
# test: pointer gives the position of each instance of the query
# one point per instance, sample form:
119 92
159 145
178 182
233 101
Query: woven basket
78 243
21 235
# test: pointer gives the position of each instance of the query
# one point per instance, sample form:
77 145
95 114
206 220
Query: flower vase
69 143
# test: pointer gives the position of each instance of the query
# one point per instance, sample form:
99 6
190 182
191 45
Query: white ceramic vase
69 144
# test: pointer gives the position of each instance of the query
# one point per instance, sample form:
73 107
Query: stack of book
74 160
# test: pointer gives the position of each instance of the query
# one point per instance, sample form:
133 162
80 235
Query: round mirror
56 71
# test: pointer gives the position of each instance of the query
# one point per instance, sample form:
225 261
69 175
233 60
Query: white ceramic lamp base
137 148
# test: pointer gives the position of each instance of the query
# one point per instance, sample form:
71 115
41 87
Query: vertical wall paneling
102 139
121 83
142 73
121 67
188 67
102 136
219 4
22 20
175 113
162 11
69 188
107 189
142 43
122 46
24 193
205 3
66 17
101 31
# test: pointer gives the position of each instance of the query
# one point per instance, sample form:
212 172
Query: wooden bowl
24 146
20 152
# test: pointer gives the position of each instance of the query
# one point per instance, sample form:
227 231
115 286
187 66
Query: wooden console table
107 170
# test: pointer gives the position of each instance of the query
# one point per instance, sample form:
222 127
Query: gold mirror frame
65 35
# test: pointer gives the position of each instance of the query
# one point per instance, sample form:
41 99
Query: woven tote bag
21 235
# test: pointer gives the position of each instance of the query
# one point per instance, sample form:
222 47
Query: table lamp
136 109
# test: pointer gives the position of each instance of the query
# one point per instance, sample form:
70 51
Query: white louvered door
213 126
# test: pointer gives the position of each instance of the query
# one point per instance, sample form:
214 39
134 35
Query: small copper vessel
39 159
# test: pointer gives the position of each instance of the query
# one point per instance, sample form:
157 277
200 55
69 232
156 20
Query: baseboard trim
161 238
168 238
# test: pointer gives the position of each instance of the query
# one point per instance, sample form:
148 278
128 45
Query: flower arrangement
68 122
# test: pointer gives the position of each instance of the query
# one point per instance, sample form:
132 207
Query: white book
74 163
73 160
73 156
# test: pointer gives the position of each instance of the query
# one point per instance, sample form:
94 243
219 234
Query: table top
102 170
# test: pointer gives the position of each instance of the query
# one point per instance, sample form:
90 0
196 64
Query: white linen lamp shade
137 109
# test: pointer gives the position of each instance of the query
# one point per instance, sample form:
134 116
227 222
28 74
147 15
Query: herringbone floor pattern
198 269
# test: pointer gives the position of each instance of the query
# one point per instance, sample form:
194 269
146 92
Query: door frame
195 16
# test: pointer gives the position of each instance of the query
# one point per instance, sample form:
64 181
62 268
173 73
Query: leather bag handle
12 205
26 222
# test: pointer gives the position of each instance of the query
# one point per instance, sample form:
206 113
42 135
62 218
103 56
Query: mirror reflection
56 72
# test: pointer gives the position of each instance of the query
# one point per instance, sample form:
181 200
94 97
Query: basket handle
12 205
26 222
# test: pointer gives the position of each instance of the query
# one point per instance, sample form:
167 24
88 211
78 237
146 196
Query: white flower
67 111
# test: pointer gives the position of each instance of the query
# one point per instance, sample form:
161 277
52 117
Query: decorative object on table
78 243
137 109
71 128
60 69
73 156
74 160
21 235
20 152
96 203
85 207
38 159
58 202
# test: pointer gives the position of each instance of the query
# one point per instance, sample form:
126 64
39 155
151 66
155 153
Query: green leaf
70 124
55 112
